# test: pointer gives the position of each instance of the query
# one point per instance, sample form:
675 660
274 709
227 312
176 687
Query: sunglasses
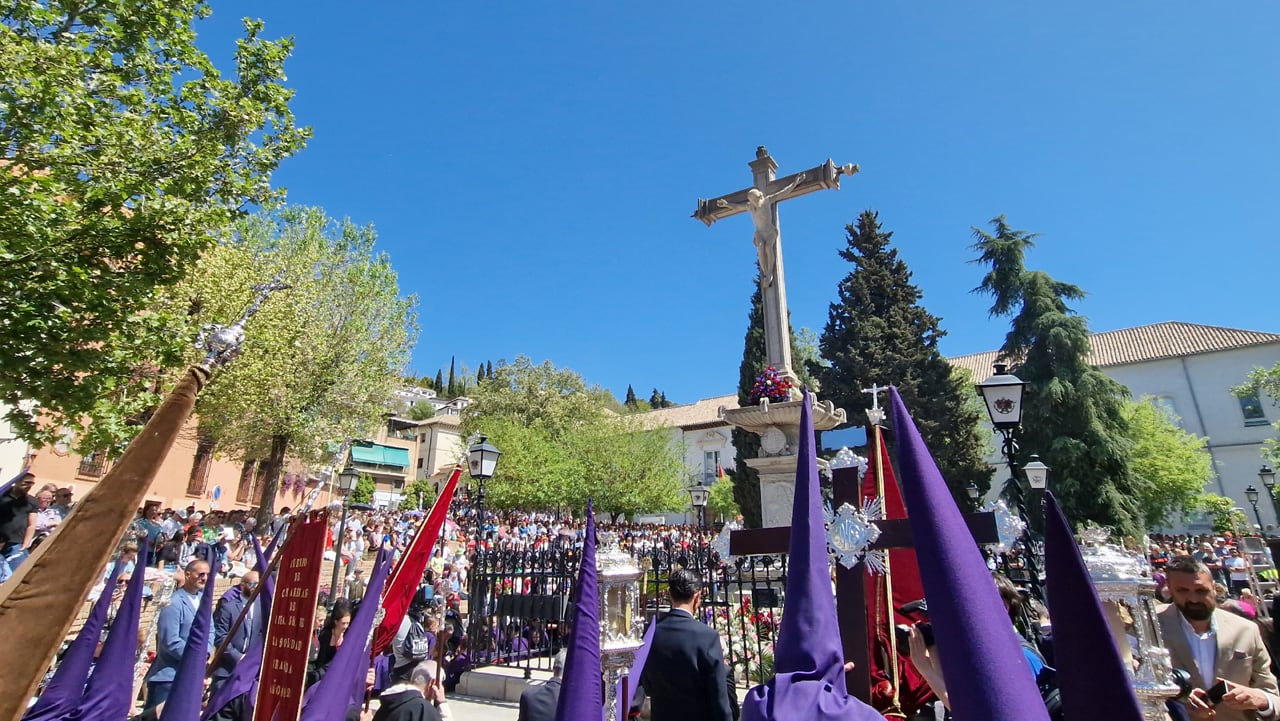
201 575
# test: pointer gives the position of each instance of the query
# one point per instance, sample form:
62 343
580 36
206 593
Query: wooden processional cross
851 606
761 202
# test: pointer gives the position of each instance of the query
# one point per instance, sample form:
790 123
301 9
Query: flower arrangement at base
772 385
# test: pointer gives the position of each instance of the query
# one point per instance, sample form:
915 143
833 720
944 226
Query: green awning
380 455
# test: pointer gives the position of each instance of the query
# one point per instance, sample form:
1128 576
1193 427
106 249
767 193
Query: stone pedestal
778 425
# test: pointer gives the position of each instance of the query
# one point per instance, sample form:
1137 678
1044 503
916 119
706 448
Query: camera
903 632
1182 679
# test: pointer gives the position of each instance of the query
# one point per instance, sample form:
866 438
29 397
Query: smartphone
1217 691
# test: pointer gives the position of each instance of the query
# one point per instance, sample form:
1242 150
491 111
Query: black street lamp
973 492
1268 478
348 478
1003 394
483 460
699 495
1252 494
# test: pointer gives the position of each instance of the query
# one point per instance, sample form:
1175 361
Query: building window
1251 407
710 467
93 465
397 484
420 462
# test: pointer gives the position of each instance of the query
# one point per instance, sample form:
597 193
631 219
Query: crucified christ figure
760 206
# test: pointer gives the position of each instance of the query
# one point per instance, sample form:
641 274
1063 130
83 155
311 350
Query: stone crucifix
761 201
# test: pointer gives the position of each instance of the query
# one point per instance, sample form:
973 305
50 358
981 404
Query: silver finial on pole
222 343
875 414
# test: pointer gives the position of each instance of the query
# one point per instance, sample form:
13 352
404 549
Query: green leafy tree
1073 414
560 447
422 411
1170 465
418 488
365 487
1260 383
123 153
318 364
720 502
878 332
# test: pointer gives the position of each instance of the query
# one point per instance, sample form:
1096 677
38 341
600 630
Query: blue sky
531 167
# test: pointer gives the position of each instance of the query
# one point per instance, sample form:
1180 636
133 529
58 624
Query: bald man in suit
1212 644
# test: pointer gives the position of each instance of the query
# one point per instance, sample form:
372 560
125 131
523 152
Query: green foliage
363 492
631 401
420 487
1074 415
877 332
659 400
720 503
321 359
422 411
1223 511
560 447
451 389
746 481
1170 466
439 384
1259 383
123 152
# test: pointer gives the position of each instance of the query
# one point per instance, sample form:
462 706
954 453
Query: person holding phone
1229 665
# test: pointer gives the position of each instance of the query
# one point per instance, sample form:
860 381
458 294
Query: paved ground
466 708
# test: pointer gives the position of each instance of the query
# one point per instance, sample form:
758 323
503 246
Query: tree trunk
270 480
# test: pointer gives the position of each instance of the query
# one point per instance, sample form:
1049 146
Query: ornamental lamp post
699 495
972 491
482 459
348 478
1252 494
1268 478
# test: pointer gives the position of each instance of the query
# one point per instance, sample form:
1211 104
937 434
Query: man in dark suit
538 703
685 676
228 610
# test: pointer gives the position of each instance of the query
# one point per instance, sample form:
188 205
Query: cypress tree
453 386
488 369
1073 414
746 481
878 333
655 399
439 386
631 401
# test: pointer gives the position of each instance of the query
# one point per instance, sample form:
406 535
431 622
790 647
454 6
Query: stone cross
761 201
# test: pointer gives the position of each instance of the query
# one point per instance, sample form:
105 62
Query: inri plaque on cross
761 201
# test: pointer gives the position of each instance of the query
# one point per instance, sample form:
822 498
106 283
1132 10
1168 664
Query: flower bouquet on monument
772 385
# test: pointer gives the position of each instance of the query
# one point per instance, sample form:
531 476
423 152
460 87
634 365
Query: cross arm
823 177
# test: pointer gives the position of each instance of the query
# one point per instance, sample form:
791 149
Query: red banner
407 576
288 643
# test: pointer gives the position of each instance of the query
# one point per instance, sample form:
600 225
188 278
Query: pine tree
878 333
655 399
488 369
453 385
631 401
1073 415
439 386
480 375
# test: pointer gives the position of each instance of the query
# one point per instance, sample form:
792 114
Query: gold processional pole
41 600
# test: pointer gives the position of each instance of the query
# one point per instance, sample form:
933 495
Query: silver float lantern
1128 596
621 624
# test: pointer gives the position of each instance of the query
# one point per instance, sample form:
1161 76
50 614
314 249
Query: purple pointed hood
328 700
109 695
1091 673
244 677
64 690
582 691
187 691
808 680
987 675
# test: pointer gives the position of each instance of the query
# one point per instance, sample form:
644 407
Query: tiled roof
701 412
1157 341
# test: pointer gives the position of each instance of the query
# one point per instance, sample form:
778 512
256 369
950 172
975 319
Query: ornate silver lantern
621 623
1128 596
